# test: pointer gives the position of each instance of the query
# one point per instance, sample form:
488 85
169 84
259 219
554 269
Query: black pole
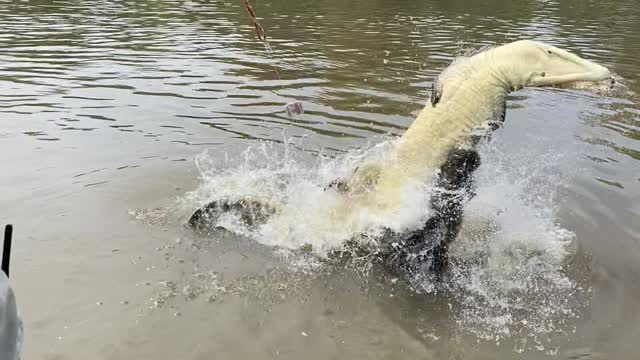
6 249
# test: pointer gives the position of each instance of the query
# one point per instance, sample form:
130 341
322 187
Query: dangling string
260 33
293 108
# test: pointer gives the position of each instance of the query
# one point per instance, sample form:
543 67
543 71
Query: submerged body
468 101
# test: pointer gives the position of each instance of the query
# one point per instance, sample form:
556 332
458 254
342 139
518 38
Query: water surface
105 105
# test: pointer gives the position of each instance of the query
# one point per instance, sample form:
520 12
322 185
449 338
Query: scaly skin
474 90
460 110
472 95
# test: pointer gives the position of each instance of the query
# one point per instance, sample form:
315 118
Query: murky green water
105 104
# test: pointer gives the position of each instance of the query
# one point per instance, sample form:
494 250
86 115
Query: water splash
295 184
507 264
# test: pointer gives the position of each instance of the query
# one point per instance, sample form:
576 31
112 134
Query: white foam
511 253
508 259
296 184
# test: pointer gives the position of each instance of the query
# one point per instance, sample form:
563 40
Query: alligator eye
550 52
543 74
